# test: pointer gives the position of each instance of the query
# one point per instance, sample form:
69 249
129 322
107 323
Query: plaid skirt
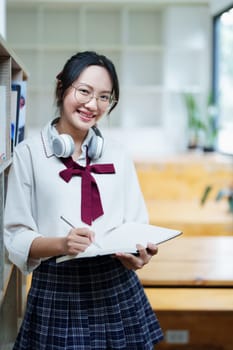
87 304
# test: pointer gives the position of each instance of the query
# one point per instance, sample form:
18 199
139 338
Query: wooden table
190 217
191 261
189 284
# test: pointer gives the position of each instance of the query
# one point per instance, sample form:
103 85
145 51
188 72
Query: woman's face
87 100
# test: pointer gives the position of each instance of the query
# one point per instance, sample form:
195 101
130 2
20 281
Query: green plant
226 193
195 123
210 125
201 123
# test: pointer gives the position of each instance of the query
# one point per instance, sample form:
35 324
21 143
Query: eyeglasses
84 94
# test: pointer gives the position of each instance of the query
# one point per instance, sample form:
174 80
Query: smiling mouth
85 116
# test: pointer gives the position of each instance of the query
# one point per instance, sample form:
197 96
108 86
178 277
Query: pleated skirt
87 304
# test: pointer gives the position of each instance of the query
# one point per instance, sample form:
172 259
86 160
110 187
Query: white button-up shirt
37 196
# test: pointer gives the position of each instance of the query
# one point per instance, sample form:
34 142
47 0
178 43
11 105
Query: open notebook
124 239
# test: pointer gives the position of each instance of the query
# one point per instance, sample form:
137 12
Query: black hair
75 66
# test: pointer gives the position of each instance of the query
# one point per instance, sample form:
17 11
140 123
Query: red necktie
91 206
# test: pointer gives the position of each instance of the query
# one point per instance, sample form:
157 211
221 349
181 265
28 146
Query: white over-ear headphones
63 144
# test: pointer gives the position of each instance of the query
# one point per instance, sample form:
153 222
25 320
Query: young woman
69 171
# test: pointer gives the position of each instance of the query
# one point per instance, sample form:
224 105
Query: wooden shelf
11 68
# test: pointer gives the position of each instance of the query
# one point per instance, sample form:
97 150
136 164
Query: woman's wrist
43 247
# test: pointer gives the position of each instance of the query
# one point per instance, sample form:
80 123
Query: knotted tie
91 206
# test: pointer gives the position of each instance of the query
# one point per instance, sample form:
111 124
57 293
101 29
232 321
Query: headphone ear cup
95 147
63 145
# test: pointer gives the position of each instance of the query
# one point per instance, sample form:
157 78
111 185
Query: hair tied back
58 77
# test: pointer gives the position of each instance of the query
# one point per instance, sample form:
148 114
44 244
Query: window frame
215 66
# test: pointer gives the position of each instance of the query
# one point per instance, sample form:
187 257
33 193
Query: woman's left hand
135 262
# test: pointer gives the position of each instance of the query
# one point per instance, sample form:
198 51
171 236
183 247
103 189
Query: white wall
3 18
177 42
217 6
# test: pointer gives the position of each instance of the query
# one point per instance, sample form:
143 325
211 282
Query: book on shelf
15 100
3 129
124 239
18 111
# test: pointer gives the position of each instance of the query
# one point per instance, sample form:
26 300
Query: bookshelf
161 49
10 69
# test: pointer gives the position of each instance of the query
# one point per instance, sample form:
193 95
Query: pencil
71 225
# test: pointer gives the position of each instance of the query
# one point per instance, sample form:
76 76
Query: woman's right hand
77 240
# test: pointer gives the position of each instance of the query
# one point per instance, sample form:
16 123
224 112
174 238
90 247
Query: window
223 78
